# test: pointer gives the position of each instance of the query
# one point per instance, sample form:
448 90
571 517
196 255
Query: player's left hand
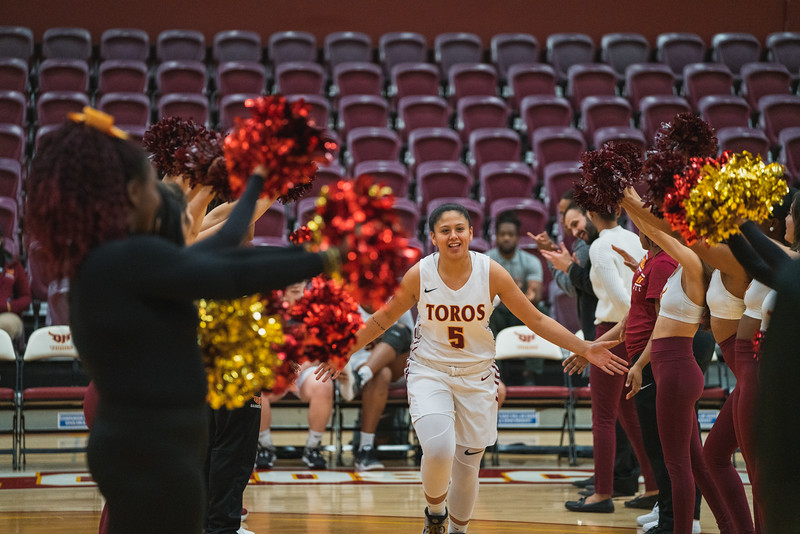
326 371
599 355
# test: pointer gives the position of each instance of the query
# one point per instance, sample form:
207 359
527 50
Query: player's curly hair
77 194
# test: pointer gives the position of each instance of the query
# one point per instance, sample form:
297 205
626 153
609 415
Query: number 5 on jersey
456 336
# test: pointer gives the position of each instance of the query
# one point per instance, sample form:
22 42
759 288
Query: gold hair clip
99 121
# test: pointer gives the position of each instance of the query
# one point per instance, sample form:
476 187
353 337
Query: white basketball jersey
453 326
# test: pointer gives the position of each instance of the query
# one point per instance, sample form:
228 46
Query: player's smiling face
452 234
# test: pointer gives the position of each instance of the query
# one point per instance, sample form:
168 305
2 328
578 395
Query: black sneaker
366 460
313 458
265 459
435 524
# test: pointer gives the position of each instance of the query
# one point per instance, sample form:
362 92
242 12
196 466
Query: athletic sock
314 439
265 438
457 529
437 509
366 440
365 373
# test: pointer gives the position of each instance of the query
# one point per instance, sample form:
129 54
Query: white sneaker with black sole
648 517
653 524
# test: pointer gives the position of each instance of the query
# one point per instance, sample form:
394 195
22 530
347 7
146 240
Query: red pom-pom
688 134
291 355
607 172
758 342
301 235
330 318
675 197
359 215
281 136
163 140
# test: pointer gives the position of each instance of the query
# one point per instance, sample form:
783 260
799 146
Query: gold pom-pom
238 343
744 188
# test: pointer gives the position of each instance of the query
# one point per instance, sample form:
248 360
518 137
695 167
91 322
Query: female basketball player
92 200
451 376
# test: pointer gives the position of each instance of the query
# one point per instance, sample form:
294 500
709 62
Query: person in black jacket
92 204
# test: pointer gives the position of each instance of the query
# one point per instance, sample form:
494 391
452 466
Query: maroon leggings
90 400
744 412
609 404
680 383
720 444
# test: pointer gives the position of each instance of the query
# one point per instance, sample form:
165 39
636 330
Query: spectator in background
15 292
318 395
526 270
576 266
372 372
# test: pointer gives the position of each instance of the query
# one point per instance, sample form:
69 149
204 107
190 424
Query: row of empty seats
562 49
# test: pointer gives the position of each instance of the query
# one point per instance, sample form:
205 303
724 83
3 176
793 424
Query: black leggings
148 464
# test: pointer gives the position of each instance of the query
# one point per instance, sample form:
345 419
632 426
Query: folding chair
8 390
51 344
521 342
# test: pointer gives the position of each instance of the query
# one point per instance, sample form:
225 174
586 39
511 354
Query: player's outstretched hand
574 364
599 355
326 371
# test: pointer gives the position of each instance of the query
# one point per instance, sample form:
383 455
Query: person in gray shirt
526 270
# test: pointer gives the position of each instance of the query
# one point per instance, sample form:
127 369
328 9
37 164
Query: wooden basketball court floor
525 493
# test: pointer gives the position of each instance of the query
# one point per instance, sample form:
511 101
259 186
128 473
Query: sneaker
243 530
366 460
349 382
265 459
435 524
648 518
653 527
313 458
245 513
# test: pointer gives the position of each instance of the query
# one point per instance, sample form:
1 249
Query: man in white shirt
611 281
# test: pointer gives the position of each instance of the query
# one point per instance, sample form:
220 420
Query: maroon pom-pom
204 161
688 134
607 172
658 173
163 140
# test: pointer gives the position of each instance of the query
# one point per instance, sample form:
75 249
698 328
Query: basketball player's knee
384 377
439 449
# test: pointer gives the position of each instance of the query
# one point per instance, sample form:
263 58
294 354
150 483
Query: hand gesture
560 258
543 241
325 371
634 381
599 355
574 364
627 259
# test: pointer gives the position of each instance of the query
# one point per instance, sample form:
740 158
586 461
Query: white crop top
721 302
754 299
676 305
